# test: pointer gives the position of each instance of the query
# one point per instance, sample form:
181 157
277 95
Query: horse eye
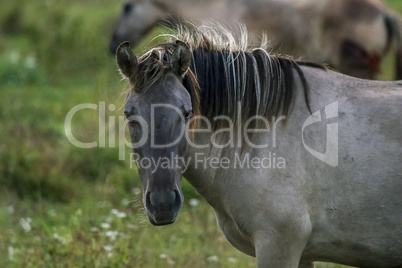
187 115
127 8
133 123
351 50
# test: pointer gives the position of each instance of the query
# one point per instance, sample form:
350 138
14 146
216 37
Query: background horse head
137 18
352 36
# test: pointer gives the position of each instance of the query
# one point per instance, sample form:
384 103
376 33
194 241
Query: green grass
54 197
394 4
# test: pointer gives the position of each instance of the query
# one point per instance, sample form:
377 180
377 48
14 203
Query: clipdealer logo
330 156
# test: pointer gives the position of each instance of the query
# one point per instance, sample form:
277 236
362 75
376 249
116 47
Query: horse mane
227 73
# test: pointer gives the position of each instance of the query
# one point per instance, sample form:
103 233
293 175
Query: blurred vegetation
61 206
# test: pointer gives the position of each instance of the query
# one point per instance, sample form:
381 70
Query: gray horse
352 36
300 163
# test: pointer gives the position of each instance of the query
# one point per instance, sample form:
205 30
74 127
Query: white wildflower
136 191
111 234
11 252
114 211
194 202
121 215
108 248
26 224
232 260
213 258
105 225
30 62
56 236
163 256
94 229
60 238
118 213
10 209
125 202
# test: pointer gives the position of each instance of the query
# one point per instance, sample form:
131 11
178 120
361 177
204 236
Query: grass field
61 206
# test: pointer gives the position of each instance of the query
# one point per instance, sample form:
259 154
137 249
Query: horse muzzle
163 206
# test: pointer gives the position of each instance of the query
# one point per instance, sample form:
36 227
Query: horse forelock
226 74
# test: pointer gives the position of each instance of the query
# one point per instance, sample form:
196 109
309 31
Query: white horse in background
352 36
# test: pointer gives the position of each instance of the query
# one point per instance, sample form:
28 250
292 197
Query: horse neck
209 181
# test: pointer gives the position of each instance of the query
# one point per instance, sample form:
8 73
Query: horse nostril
178 200
158 200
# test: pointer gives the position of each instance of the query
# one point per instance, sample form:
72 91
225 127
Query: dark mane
224 75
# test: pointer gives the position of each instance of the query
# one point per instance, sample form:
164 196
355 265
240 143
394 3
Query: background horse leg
399 64
398 59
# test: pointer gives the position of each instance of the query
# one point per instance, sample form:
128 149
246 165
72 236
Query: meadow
63 206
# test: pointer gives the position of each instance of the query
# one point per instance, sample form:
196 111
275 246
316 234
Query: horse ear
181 58
126 60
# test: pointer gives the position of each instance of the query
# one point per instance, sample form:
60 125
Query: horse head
137 18
158 109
